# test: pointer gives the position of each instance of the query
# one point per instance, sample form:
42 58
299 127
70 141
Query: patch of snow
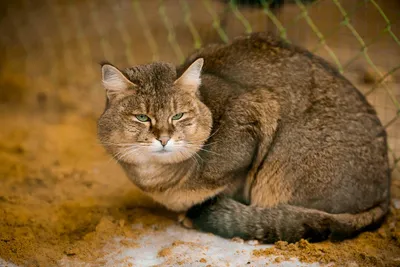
3 263
183 247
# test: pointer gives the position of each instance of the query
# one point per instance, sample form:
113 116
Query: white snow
185 248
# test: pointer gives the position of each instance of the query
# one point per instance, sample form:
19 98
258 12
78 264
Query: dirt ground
62 197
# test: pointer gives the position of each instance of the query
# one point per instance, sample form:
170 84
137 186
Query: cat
255 139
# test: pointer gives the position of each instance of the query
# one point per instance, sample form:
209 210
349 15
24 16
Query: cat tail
228 218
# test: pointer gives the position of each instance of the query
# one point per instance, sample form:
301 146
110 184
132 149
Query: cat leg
241 141
185 221
253 242
237 240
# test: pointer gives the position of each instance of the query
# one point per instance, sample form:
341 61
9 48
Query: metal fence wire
49 49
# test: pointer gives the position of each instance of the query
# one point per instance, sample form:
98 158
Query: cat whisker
195 157
206 139
126 152
212 143
115 157
120 144
209 151
203 149
198 156
195 160
124 144
132 152
122 156
211 135
203 145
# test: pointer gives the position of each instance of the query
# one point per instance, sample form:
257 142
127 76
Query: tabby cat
256 139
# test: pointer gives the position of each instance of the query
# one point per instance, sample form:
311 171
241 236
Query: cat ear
190 79
114 81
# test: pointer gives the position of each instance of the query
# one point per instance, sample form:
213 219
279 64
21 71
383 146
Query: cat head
153 116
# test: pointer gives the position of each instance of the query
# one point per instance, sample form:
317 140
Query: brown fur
289 147
269 188
179 199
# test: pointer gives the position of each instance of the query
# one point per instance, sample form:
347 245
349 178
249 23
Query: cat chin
172 157
167 157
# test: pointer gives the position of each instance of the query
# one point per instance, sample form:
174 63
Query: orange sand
63 197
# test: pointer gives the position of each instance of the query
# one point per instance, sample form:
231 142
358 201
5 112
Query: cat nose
164 140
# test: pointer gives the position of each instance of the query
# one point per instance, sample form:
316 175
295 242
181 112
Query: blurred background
51 96
50 50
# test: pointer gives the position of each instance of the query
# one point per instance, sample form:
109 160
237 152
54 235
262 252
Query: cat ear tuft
190 80
114 81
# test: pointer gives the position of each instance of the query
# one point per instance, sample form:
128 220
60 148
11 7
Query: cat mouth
163 151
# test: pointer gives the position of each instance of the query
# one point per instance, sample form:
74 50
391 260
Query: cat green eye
177 116
142 118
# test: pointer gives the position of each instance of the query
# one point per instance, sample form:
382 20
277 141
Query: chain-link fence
50 49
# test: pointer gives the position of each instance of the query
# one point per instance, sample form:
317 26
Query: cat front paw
185 221
239 240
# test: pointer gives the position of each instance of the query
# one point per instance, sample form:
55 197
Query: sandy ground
63 201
